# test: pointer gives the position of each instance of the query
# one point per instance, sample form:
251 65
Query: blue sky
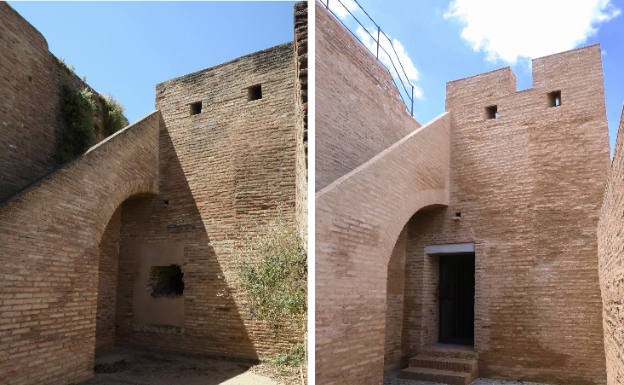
127 48
430 33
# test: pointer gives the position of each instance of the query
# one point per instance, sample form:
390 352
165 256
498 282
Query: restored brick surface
30 90
528 186
358 220
49 236
611 265
347 135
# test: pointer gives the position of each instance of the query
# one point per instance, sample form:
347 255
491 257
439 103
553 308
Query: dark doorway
457 299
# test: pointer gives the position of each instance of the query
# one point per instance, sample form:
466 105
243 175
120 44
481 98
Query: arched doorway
430 297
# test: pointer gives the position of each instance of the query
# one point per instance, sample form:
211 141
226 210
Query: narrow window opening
491 112
458 214
254 92
554 98
196 108
166 281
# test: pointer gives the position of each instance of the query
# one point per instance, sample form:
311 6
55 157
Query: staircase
446 364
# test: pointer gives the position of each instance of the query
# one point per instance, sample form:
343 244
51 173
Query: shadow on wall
157 232
405 290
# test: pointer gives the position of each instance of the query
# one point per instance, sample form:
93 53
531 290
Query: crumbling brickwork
49 236
301 57
30 90
224 173
611 264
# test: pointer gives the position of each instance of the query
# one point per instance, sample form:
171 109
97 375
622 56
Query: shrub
273 274
77 109
296 356
113 118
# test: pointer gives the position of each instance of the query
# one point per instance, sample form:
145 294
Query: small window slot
491 112
254 92
166 281
554 98
196 108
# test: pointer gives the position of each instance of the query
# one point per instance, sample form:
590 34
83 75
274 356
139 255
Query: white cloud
507 30
410 69
341 9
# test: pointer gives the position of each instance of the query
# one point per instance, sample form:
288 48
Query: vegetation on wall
77 108
68 68
273 275
113 118
294 357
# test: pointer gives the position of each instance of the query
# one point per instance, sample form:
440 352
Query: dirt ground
136 367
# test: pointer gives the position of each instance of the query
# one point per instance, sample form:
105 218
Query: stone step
450 351
437 375
444 363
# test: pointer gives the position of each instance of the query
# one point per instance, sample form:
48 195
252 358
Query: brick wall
358 221
611 266
224 173
395 284
528 185
301 57
108 268
30 90
49 237
347 135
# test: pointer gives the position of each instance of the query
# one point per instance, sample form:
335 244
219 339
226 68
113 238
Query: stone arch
109 255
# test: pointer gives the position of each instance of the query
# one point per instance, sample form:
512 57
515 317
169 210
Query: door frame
430 296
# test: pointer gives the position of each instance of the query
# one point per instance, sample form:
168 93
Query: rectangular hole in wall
196 108
491 112
254 92
166 281
554 99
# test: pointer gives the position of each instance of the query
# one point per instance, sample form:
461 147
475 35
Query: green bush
77 136
296 356
113 118
273 274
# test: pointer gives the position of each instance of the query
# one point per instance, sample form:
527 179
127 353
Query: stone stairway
446 364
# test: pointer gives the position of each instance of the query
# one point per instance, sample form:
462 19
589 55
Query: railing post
327 4
412 112
378 32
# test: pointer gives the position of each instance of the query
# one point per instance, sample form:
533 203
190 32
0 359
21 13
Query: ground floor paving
390 378
134 367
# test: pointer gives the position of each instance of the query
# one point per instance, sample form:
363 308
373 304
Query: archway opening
115 285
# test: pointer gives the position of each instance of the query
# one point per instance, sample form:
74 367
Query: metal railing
406 91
